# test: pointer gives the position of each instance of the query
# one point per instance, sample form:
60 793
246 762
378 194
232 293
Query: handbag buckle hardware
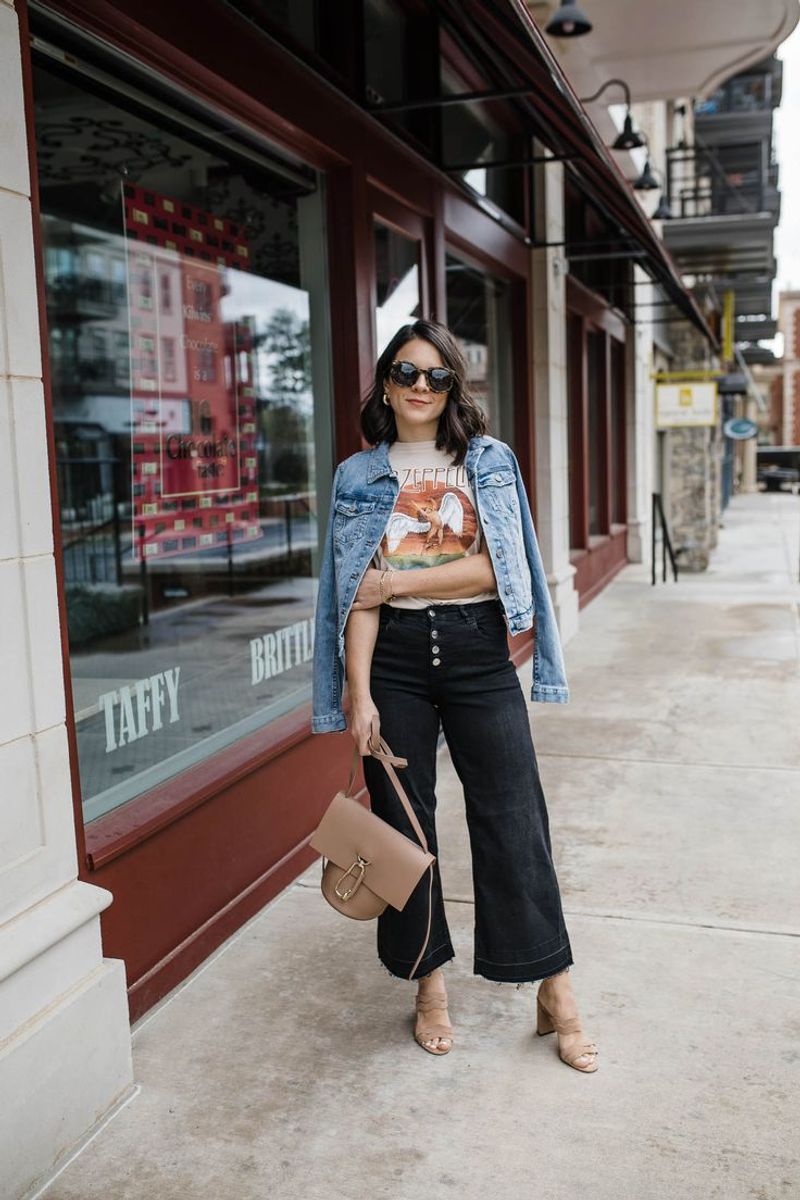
356 871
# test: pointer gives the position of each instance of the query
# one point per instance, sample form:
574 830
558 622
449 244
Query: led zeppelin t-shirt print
434 519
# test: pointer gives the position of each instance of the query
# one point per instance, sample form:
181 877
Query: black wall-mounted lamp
647 181
568 21
628 138
663 212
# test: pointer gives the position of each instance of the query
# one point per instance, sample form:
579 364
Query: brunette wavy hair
461 419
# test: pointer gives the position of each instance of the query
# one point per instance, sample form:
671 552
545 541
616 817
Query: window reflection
397 283
180 309
479 314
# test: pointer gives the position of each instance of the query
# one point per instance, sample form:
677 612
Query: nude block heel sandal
430 1004
545 1023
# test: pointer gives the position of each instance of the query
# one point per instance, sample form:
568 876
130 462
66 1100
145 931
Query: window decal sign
193 426
135 710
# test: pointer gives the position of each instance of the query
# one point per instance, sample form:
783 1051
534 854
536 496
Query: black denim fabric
450 664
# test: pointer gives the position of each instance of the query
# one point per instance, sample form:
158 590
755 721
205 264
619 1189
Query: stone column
692 466
64 1035
749 456
549 316
639 431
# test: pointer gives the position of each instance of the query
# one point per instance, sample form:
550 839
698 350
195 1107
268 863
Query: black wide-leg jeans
450 664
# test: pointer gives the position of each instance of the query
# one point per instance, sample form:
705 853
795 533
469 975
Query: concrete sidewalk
673 780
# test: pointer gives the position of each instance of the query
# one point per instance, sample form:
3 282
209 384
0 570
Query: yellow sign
728 309
685 404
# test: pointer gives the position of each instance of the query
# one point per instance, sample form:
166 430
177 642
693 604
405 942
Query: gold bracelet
385 599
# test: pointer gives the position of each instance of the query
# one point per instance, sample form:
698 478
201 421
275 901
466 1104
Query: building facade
211 221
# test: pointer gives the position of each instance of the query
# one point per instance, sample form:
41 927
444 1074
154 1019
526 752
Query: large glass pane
594 440
575 429
397 283
471 136
616 483
185 307
479 314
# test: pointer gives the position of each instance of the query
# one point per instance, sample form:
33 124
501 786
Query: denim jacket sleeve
328 674
549 673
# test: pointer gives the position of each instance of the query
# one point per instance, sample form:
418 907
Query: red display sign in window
193 423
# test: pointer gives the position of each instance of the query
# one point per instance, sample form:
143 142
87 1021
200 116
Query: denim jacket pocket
350 518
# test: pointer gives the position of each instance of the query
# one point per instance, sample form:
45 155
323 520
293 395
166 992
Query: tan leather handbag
370 864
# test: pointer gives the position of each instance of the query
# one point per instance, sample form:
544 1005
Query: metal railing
659 524
742 94
702 184
90 519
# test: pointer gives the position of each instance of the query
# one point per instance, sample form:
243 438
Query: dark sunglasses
405 374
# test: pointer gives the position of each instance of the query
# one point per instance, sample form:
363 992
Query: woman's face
417 409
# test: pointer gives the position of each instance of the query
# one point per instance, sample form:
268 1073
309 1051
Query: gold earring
385 398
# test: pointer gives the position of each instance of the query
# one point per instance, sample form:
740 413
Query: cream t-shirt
434 519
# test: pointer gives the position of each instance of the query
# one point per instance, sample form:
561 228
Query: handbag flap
396 864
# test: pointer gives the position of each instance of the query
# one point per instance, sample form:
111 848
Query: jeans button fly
434 633
435 649
436 662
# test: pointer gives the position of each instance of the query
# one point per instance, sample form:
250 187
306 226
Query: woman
430 557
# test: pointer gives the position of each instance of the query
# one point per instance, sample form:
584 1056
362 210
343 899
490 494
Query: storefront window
471 136
594 441
397 283
185 308
616 482
479 314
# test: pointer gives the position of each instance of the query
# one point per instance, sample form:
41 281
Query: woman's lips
421 403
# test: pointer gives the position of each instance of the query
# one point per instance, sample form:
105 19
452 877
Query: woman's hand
362 715
368 594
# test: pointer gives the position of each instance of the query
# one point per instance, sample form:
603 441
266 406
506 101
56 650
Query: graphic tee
434 519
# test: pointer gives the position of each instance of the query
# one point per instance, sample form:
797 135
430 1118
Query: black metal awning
506 39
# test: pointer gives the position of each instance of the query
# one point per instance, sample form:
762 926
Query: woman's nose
422 383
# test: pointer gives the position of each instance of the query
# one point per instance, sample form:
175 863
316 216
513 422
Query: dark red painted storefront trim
187 862
596 567
597 559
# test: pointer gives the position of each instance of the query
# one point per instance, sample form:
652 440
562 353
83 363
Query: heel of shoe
544 1022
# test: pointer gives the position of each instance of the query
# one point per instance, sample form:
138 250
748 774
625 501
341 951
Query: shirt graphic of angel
430 519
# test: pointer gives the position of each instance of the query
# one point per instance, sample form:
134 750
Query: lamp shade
568 21
663 212
647 180
628 138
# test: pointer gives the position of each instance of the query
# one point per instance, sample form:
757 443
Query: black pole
230 560
288 517
143 577
116 527
653 540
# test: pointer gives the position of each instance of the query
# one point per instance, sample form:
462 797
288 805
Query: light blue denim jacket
364 492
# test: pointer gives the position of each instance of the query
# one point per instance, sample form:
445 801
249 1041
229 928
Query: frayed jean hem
494 976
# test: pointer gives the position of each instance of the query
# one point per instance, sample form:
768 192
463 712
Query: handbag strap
379 748
390 761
